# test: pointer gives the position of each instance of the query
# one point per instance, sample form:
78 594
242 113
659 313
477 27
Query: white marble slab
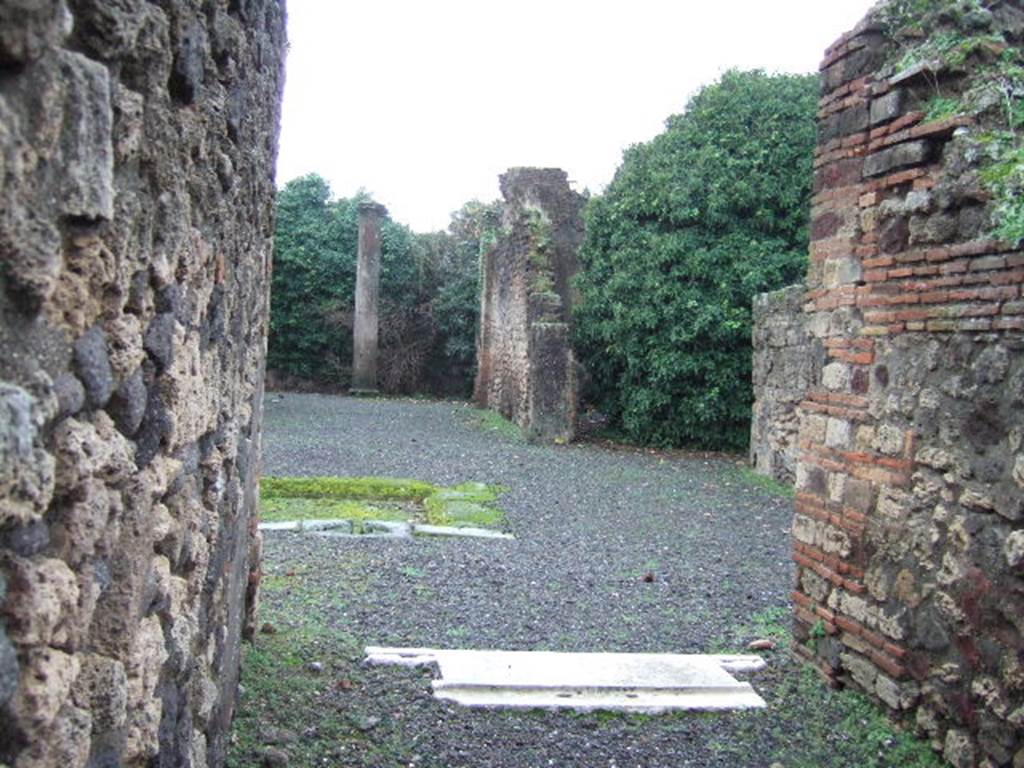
636 682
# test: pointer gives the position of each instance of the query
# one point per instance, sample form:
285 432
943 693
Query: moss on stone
285 508
975 70
345 498
492 421
379 488
466 504
540 251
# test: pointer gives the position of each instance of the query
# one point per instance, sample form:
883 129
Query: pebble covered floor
617 549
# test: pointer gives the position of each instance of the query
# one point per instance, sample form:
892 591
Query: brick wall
526 368
909 524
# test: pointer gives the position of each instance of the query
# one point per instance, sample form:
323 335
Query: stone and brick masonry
137 144
786 364
526 368
909 525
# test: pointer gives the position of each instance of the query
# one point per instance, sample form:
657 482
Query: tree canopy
429 289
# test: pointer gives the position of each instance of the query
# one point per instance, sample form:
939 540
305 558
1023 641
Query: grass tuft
494 423
770 484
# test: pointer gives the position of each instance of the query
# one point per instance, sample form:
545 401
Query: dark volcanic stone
887 107
894 236
70 394
931 635
93 366
900 156
156 426
188 71
9 672
26 540
159 341
128 405
169 299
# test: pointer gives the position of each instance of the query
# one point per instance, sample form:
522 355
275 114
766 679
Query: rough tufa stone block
134 319
887 107
901 156
27 29
86 143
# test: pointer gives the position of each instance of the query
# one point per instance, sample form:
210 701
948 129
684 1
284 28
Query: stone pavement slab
636 682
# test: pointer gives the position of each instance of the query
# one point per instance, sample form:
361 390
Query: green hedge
694 224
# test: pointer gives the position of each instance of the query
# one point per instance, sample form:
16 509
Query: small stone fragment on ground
367 723
276 736
274 758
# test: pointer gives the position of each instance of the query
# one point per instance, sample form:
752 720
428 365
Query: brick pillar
526 368
909 525
365 327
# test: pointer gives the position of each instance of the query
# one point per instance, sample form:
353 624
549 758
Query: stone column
364 329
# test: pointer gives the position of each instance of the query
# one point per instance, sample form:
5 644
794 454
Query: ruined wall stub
526 369
366 326
909 522
137 144
786 364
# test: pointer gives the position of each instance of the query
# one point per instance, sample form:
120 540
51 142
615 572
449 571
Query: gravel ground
616 550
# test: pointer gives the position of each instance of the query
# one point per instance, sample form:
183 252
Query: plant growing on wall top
975 67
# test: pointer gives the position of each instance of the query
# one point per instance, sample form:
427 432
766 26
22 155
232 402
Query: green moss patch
748 476
313 715
361 499
375 488
494 423
284 508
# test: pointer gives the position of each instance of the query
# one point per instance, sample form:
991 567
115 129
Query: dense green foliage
429 287
454 256
694 224
314 279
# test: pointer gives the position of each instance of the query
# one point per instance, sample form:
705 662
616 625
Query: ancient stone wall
909 521
137 143
786 365
526 369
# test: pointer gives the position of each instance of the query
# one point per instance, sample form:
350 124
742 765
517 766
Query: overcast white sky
425 102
